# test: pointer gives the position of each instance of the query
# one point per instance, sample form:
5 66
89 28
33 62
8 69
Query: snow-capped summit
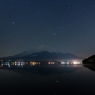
37 50
44 48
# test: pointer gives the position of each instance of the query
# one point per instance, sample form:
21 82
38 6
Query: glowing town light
2 64
8 65
48 62
26 63
76 62
18 63
67 62
63 62
53 63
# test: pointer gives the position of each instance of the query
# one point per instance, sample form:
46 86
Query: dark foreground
47 80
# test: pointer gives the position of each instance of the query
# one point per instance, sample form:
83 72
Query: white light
63 62
8 65
76 62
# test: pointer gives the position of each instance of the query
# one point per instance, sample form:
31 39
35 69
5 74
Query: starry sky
66 25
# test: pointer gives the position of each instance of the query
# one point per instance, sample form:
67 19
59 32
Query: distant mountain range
43 53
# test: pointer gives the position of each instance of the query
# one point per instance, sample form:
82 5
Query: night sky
66 25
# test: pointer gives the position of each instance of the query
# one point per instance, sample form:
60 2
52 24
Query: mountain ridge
43 52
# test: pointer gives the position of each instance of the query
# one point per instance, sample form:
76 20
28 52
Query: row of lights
75 62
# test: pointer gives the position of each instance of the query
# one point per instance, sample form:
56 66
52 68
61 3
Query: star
13 22
58 27
77 21
68 7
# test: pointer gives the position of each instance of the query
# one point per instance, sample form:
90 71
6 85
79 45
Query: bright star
13 22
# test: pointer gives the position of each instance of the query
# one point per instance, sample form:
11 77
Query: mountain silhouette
89 60
43 53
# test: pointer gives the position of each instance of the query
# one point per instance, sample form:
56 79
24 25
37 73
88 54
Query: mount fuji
43 53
